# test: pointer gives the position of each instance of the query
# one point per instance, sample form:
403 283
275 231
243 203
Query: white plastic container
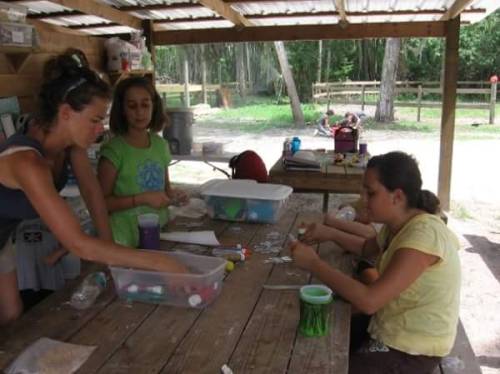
195 290
245 200
16 34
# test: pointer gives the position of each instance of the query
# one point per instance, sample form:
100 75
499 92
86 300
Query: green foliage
420 59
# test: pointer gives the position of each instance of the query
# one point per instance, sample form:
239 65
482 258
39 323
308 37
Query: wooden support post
493 101
147 26
419 101
363 88
187 102
448 111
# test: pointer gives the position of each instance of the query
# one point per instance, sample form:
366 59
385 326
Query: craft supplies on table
196 289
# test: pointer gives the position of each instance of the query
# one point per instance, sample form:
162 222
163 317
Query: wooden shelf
115 77
17 56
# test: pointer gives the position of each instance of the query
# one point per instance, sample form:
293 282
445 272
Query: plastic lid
316 294
245 189
148 219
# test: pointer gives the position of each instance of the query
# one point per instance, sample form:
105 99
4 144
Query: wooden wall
54 40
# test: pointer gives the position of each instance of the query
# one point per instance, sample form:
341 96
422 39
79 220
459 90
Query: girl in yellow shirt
414 302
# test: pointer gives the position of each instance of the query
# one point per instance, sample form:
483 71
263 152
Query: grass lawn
259 114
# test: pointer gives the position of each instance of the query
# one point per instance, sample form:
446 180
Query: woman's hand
303 255
178 197
155 199
316 233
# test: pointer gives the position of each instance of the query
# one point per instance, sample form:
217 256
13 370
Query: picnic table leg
326 195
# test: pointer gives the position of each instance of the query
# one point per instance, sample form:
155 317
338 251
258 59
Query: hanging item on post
248 165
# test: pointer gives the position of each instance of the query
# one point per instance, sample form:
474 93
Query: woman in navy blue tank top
73 103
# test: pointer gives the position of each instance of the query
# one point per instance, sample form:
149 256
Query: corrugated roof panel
290 21
38 7
194 25
273 7
175 13
111 30
81 20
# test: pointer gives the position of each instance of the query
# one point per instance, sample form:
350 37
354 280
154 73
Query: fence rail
356 92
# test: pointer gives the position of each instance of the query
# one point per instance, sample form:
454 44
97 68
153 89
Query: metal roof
103 16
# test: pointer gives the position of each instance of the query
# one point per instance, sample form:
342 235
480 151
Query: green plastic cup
315 303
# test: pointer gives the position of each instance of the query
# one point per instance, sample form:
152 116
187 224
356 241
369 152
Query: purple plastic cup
149 231
363 148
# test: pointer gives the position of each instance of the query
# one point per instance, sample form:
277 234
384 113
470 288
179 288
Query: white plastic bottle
88 291
346 213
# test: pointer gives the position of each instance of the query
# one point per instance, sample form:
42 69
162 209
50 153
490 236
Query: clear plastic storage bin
245 200
16 35
12 12
196 290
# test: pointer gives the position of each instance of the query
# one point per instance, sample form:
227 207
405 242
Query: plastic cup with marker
315 302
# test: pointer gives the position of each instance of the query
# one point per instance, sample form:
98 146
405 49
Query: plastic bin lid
245 189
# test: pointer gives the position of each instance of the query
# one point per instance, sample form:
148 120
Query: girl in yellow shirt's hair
414 302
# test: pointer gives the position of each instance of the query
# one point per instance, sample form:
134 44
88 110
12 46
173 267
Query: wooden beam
455 9
304 32
95 8
448 110
340 6
219 7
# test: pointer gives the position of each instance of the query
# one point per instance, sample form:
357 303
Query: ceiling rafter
226 11
340 6
302 32
455 9
95 8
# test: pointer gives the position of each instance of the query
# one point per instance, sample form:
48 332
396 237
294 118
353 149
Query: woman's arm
91 191
107 175
405 267
359 245
30 173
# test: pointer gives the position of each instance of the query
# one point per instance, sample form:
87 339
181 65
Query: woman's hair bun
69 64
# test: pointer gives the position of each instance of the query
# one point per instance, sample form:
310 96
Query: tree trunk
385 104
298 116
320 52
249 68
240 68
328 62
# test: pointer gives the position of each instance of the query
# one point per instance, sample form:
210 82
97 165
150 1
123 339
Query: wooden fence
357 92
184 91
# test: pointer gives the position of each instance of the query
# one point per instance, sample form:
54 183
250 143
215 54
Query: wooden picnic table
249 328
329 179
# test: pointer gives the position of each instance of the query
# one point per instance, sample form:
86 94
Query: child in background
413 304
133 168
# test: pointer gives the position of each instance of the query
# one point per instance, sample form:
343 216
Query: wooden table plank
121 319
152 344
328 354
52 318
212 339
267 341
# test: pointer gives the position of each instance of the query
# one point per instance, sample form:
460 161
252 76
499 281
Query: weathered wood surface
335 179
247 327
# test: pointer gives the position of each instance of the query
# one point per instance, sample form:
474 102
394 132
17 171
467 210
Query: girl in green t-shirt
133 168
414 301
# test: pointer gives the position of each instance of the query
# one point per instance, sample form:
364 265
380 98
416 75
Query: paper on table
193 237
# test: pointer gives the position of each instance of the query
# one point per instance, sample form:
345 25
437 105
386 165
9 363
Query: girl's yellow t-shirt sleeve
429 236
110 152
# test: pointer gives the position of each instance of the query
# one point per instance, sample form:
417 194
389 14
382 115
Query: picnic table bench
461 359
249 328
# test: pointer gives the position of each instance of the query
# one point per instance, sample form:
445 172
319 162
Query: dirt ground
476 203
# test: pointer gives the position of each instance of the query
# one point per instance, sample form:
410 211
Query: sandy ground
475 182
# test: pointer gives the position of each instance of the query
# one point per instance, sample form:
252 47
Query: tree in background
385 103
